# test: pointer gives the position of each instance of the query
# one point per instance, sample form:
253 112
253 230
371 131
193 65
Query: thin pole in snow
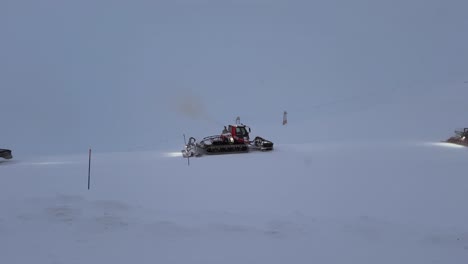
188 157
89 169
285 118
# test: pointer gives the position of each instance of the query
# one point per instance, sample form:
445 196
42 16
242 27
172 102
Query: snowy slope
324 202
355 177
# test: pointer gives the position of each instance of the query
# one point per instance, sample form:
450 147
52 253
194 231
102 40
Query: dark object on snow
6 154
234 139
460 138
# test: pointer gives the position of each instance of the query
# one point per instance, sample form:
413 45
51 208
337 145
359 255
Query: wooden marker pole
89 169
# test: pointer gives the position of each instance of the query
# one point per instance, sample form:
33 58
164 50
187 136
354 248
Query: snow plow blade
263 144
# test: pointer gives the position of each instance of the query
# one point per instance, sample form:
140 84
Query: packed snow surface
324 202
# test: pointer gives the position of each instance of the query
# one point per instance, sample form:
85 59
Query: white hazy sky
119 74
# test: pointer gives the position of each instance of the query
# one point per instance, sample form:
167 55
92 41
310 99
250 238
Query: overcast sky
121 74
